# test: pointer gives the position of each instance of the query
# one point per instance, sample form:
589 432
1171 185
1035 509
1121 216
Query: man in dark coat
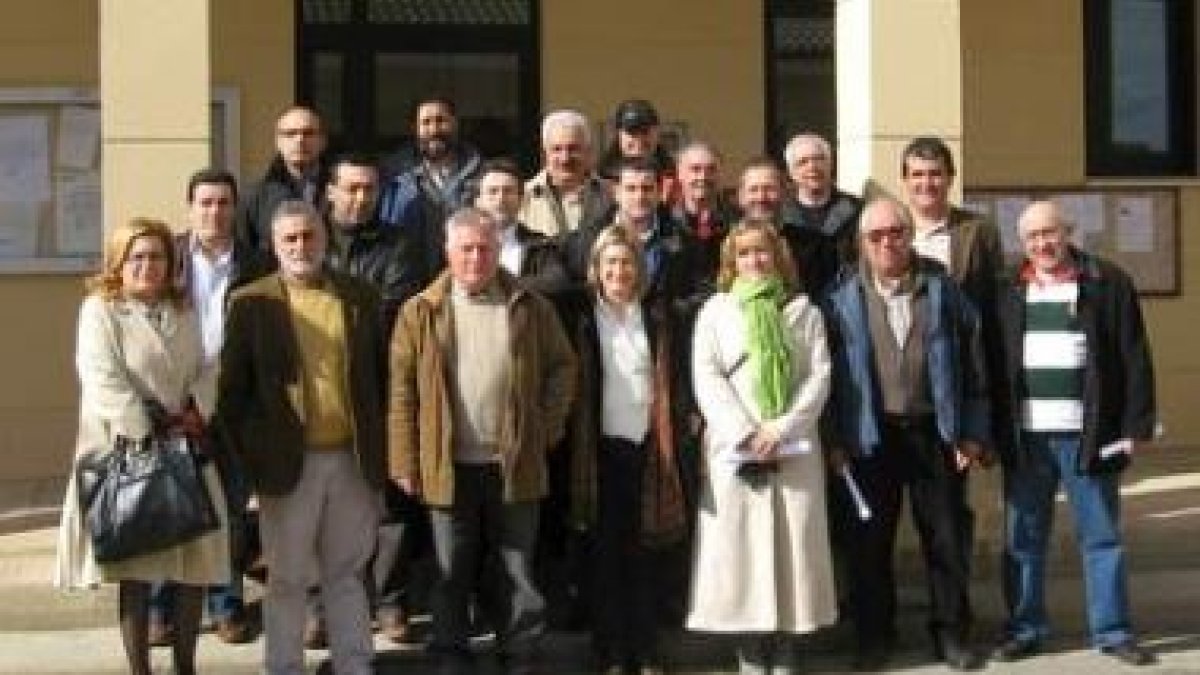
295 172
427 180
1079 406
301 402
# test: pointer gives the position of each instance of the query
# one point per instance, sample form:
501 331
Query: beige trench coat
122 358
762 560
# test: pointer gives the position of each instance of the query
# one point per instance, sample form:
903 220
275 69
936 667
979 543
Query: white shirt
898 302
209 281
934 242
512 253
626 361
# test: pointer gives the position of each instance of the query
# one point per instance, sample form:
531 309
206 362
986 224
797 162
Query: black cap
635 114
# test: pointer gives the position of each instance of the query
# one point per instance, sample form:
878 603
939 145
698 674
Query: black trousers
912 457
625 617
481 526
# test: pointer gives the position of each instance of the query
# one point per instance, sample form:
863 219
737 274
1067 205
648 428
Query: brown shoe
315 636
393 625
159 633
233 630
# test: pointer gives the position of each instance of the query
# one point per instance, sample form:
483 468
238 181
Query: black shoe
1015 649
872 657
1130 653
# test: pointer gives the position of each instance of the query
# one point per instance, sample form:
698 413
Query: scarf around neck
769 353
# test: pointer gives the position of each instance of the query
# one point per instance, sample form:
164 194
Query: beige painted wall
55 43
1023 124
256 48
700 64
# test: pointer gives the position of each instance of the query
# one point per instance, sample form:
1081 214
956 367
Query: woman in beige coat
137 342
761 375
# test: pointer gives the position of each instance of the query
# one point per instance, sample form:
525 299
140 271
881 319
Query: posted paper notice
24 159
1135 225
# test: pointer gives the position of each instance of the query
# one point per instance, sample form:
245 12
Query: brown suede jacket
542 386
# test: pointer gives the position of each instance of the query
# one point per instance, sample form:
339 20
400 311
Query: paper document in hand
1123 446
856 495
786 449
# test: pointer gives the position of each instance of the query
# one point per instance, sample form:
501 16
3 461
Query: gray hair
293 208
791 152
879 204
568 119
695 146
472 217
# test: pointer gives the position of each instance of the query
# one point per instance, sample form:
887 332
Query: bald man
296 172
1079 406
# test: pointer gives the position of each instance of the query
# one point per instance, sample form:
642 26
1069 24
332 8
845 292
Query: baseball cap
635 114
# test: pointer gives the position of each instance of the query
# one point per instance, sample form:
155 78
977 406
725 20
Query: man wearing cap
636 124
565 195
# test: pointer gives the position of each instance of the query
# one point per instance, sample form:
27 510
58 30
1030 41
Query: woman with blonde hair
142 373
625 488
761 369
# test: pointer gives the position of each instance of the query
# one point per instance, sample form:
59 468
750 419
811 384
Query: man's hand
968 454
410 486
835 459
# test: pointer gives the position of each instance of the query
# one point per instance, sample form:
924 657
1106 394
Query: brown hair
107 284
616 235
780 253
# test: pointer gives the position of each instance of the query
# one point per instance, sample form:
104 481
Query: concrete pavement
45 632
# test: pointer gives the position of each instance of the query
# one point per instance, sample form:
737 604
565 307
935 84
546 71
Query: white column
899 75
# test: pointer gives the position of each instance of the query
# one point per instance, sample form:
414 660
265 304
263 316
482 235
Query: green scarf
767 344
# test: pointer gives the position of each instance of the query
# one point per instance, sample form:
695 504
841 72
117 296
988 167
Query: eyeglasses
142 258
890 233
306 132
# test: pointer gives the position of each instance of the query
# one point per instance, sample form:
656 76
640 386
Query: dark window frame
773 9
1105 158
359 41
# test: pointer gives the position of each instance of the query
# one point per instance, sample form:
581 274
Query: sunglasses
890 233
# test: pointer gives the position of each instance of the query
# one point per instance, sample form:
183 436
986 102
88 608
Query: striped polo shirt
1055 352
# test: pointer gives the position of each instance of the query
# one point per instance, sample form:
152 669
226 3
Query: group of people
618 355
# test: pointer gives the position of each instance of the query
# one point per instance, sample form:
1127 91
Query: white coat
122 359
762 560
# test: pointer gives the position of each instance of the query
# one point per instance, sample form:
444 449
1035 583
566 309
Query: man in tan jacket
482 378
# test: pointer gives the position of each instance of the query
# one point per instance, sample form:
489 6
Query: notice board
1135 227
50 192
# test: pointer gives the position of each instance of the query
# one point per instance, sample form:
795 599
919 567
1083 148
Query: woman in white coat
138 341
761 374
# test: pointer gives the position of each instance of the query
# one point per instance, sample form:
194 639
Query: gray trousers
323 532
467 537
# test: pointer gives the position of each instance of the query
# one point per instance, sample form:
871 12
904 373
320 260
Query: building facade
1020 89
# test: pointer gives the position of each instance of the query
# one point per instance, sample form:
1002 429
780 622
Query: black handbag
143 496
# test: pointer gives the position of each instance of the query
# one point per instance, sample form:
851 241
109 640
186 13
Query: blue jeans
1029 489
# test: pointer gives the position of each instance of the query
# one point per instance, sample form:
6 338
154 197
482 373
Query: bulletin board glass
50 192
1137 228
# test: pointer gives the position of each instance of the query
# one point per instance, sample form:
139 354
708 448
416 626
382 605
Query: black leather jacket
386 257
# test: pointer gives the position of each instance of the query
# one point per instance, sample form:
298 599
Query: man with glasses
1080 406
296 172
908 410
